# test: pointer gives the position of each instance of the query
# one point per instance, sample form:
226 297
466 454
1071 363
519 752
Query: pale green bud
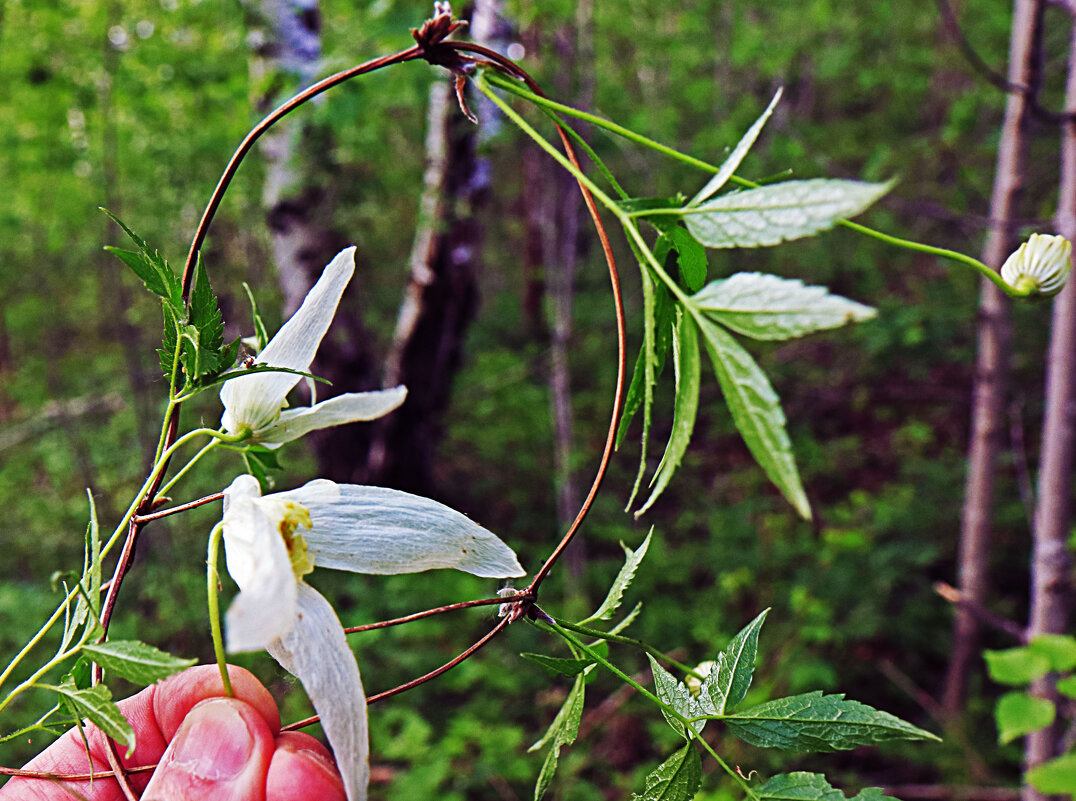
693 684
1039 266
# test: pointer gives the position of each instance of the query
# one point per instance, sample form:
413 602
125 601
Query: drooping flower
255 403
1039 266
272 542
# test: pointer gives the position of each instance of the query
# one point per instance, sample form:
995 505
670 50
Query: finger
221 751
302 770
155 714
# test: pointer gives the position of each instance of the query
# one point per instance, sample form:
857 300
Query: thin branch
977 610
433 674
384 624
174 510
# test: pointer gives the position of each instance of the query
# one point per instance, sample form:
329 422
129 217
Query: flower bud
1039 266
693 684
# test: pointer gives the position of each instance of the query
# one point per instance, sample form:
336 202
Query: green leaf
728 681
629 618
1054 777
559 665
1059 650
634 205
1067 686
167 351
151 267
802 786
663 320
90 582
690 254
649 358
204 315
623 580
1018 714
676 695
756 410
1016 666
817 722
732 163
136 661
261 336
96 704
767 307
688 378
676 779
780 212
562 731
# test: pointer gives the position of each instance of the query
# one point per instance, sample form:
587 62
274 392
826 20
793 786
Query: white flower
704 669
1039 266
254 403
272 542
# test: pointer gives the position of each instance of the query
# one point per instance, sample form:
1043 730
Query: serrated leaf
817 722
1017 714
204 316
676 695
1054 777
1059 650
629 618
562 731
136 661
1016 666
730 678
686 404
663 318
780 212
756 411
623 580
768 307
96 705
558 665
732 163
676 779
649 358
151 267
167 351
802 786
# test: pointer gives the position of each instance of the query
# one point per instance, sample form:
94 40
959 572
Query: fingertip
302 769
176 696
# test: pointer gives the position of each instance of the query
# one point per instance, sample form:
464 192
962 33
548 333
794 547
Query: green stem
597 657
602 635
213 443
515 88
213 593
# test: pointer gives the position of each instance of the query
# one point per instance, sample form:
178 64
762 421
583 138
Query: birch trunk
441 296
1051 562
287 55
992 361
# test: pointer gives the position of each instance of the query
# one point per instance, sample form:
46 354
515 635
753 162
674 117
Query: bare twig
977 610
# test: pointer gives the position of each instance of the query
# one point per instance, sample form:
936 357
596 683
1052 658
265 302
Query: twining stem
512 86
212 580
597 657
643 646
213 443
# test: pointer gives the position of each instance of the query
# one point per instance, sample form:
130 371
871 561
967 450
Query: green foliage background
137 105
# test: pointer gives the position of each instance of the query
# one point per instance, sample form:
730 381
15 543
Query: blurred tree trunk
441 296
992 363
1051 563
285 37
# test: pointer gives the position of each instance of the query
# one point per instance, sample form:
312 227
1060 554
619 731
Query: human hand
206 746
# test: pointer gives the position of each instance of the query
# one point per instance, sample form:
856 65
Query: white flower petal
348 408
316 652
255 400
257 560
378 530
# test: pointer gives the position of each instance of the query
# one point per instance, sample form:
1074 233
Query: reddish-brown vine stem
457 57
396 621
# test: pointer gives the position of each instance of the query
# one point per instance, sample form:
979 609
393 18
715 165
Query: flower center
294 517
